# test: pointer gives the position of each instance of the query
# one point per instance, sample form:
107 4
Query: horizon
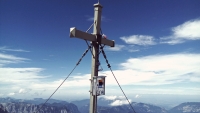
157 49
154 99
172 102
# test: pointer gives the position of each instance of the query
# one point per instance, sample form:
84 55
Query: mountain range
11 105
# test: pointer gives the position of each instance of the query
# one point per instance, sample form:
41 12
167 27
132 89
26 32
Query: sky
157 48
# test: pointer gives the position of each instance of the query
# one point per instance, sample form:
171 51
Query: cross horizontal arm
90 37
80 34
110 43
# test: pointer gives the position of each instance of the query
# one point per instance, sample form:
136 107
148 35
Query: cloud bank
164 69
189 30
152 70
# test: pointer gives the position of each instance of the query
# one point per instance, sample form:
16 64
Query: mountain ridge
11 105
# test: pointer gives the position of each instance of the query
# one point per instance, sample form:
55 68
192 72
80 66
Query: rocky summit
188 107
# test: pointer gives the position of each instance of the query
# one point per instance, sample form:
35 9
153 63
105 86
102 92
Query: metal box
98 86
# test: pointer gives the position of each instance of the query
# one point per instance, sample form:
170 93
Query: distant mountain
80 103
8 99
36 101
11 105
138 107
146 108
32 108
101 102
188 107
105 105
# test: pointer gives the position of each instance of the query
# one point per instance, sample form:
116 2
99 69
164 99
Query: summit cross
96 40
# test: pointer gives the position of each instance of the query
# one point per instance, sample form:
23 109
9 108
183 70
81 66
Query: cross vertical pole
96 39
95 50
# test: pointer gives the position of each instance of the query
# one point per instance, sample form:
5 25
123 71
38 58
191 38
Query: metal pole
95 58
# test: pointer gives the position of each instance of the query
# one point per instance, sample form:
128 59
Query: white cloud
147 70
11 57
24 91
18 80
184 90
164 69
116 48
110 97
22 80
133 50
11 94
143 40
137 96
18 75
117 100
157 69
129 48
189 30
120 102
171 40
4 48
73 81
8 59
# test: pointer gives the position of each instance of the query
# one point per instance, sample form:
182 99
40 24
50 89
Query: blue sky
157 47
